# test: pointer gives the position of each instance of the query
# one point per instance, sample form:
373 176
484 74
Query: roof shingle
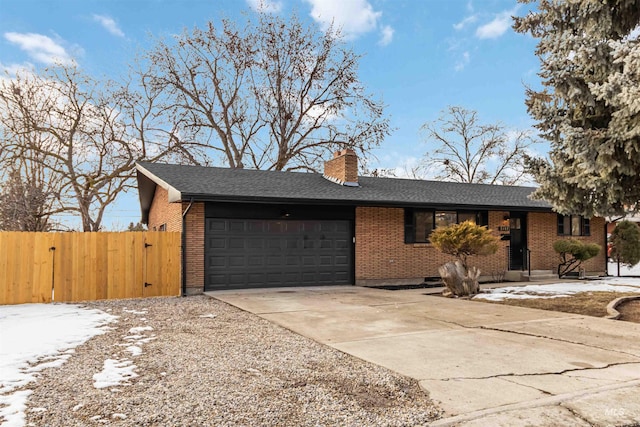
223 184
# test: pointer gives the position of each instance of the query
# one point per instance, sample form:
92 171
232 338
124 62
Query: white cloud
386 35
463 62
500 24
109 24
352 17
466 21
269 6
41 48
12 70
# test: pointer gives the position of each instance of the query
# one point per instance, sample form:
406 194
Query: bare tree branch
463 150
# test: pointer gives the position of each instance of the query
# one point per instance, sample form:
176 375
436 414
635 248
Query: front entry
518 240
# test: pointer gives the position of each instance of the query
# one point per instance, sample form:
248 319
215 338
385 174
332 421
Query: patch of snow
500 297
135 311
114 372
563 289
134 350
140 329
78 406
38 410
612 268
209 316
35 337
117 416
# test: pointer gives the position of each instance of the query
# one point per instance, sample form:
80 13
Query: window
573 225
419 223
163 227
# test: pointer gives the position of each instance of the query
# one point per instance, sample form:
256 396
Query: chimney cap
344 152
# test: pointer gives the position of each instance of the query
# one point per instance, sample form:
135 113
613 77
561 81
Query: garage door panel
236 243
271 253
236 226
341 260
217 261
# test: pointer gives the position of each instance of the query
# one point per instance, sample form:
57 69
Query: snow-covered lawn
562 289
624 271
38 336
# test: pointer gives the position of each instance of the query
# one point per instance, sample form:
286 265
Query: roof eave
147 183
199 197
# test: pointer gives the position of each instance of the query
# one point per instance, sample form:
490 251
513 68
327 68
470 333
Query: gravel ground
206 363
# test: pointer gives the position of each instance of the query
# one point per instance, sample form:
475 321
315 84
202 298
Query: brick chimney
343 168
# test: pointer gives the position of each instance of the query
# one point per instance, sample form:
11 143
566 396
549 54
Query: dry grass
630 311
587 303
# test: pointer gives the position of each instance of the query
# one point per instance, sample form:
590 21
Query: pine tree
625 241
589 108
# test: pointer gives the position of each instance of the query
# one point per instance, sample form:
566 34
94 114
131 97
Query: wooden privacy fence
61 267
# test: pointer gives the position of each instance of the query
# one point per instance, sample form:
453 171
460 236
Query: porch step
538 275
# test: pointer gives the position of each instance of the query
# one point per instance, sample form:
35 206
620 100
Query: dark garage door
252 253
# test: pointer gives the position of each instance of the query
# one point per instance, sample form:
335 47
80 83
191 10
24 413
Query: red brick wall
195 248
542 233
382 254
163 212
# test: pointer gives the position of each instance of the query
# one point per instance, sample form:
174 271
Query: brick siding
543 232
163 212
195 248
382 254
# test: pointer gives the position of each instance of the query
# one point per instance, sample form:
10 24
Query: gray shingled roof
223 184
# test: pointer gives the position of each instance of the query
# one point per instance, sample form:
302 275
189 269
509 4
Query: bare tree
270 95
76 131
464 150
24 204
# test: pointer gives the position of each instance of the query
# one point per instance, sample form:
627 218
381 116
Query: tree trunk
458 280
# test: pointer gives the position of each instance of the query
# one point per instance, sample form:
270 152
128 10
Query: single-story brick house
248 228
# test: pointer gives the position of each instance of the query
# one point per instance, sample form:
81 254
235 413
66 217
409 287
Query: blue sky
420 56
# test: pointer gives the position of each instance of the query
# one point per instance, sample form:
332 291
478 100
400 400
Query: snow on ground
563 289
624 271
118 371
114 372
35 337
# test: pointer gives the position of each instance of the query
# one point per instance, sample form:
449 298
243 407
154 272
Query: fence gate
45 267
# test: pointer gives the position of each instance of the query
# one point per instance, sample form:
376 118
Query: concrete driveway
486 364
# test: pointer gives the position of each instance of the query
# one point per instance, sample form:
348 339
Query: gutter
184 248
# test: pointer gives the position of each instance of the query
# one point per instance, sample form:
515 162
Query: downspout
606 251
184 248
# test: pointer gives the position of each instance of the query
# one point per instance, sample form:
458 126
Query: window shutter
483 218
586 227
409 226
560 225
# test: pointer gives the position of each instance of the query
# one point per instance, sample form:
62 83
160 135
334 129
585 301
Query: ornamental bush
573 253
462 241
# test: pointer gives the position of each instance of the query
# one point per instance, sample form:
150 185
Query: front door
518 241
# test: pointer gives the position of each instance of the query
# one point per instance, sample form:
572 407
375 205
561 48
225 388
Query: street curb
611 307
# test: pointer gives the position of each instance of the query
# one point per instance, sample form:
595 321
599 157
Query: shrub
462 241
625 241
573 253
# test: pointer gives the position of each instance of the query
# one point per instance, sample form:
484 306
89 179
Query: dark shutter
409 226
483 218
586 227
560 225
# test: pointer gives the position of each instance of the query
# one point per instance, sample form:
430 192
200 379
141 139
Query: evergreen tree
589 107
625 241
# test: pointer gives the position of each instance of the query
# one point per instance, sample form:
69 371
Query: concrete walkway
486 364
